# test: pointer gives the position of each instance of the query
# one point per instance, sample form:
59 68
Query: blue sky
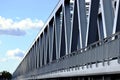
20 22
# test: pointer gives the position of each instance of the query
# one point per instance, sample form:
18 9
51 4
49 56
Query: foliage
6 75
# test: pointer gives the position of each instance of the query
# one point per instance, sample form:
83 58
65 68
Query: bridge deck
99 58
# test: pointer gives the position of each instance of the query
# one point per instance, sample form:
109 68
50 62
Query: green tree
6 75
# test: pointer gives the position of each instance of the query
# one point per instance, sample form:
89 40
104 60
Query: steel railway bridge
79 41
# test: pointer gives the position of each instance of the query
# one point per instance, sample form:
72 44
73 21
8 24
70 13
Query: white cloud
15 54
11 27
3 60
15 32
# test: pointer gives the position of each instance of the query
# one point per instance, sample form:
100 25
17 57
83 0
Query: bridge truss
79 39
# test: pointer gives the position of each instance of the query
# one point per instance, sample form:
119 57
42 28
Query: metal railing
100 51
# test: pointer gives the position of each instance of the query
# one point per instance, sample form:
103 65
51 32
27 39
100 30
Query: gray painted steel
107 16
67 23
76 34
82 18
92 29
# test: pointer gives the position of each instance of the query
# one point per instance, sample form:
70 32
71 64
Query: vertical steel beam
107 16
58 31
67 24
54 43
43 40
51 39
100 27
29 61
92 29
81 6
32 57
116 27
41 49
75 28
26 64
45 45
35 54
48 57
39 46
37 49
62 44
